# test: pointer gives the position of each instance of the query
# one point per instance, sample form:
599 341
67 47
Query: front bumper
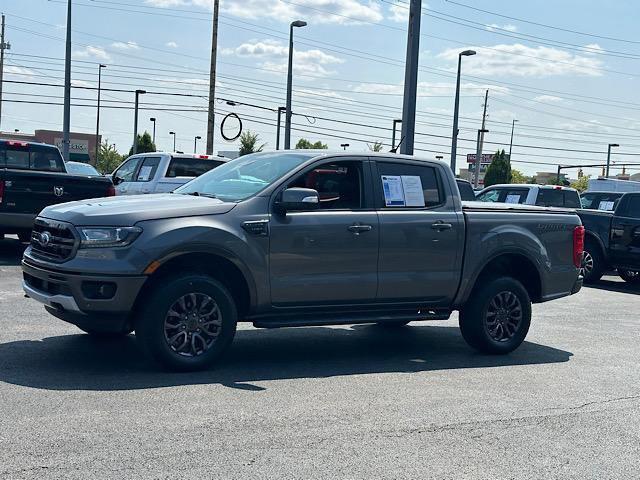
75 293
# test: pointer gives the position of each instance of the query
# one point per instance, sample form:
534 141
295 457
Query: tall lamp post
195 143
153 120
287 120
609 157
135 121
100 67
513 124
174 140
456 110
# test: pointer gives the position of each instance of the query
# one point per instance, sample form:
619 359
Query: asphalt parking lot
339 402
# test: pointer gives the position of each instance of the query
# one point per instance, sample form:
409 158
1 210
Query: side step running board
348 319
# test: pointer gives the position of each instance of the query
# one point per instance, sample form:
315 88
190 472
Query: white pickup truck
160 172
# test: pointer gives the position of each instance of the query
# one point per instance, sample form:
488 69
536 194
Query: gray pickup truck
297 238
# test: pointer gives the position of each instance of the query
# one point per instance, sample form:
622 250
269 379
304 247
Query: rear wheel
630 276
496 318
592 263
188 323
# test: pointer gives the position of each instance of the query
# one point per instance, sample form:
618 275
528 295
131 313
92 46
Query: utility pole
3 46
135 121
481 132
411 78
393 134
66 120
100 67
212 78
609 157
513 124
280 110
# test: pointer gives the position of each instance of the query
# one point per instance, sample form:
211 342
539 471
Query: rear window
31 157
466 190
190 167
607 201
405 185
554 197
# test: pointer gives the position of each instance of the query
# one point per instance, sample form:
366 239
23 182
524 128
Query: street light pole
513 124
411 78
280 110
287 120
174 140
476 174
456 109
100 67
393 135
66 120
153 119
195 143
609 157
135 121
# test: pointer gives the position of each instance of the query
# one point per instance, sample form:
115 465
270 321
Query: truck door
125 175
329 255
421 234
625 233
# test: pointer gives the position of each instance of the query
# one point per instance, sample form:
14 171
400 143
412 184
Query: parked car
612 185
607 201
466 190
386 240
79 168
612 240
541 195
158 172
32 176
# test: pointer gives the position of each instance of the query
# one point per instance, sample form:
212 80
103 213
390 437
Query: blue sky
568 74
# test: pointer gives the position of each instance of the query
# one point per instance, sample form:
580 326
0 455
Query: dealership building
81 149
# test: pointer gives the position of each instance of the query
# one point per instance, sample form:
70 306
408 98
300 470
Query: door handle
440 226
357 228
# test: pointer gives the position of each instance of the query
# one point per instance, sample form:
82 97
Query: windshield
81 169
245 176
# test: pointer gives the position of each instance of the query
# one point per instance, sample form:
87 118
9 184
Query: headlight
94 237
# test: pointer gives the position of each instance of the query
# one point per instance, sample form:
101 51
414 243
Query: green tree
304 144
145 144
375 146
108 158
249 143
518 177
581 184
499 170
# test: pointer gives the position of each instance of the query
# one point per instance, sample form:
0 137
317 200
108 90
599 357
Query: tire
630 276
592 263
506 297
187 322
24 237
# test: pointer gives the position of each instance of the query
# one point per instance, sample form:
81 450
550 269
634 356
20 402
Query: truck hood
128 210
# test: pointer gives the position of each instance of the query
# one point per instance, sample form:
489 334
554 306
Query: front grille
52 240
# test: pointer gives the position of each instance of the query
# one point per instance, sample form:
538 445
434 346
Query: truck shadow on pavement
619 286
80 362
11 252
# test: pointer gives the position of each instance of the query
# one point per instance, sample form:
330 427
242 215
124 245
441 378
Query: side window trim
379 195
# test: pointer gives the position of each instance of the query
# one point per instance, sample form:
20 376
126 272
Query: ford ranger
295 238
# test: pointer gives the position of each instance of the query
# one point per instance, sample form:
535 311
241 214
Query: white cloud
171 45
274 56
13 70
399 12
366 11
521 60
508 27
548 98
125 45
593 48
81 83
92 52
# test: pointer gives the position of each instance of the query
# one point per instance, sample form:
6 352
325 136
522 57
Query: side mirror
117 180
295 199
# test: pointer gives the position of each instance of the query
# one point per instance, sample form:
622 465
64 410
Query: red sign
485 158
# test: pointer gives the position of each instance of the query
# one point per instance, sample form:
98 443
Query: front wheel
496 318
187 323
630 276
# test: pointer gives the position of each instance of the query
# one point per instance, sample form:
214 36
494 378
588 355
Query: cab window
409 186
340 185
148 169
126 171
504 195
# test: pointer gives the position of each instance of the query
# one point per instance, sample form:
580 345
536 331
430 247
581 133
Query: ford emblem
44 239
